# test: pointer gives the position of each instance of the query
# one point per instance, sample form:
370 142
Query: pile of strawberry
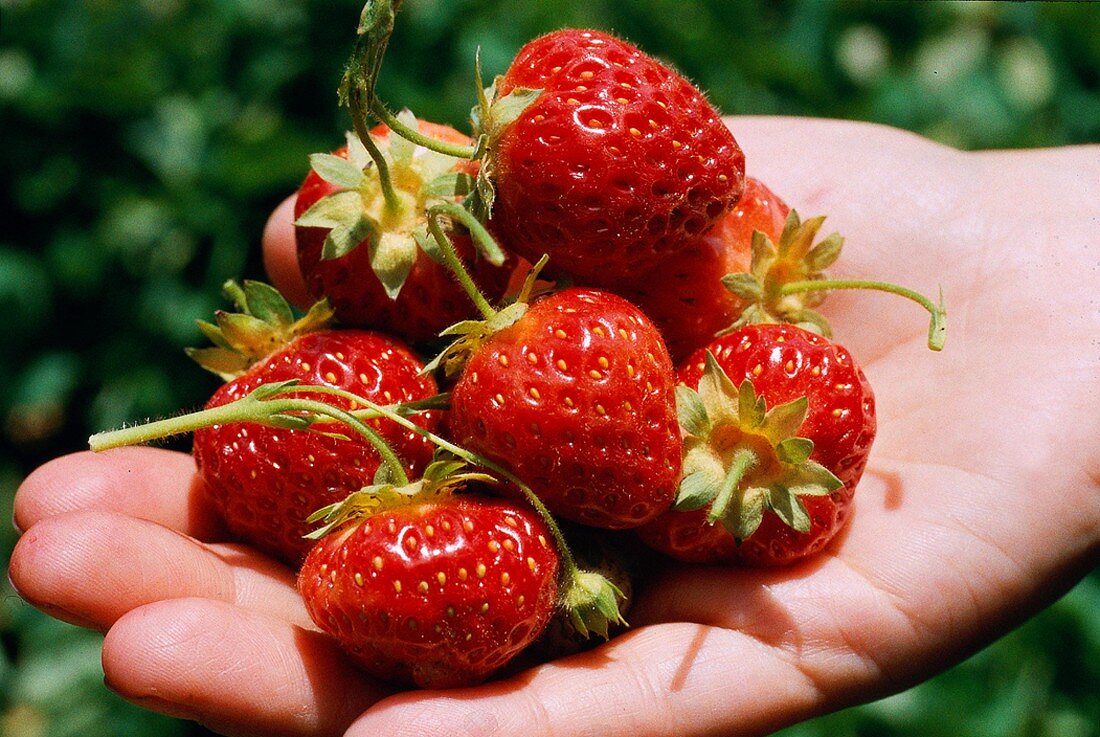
659 368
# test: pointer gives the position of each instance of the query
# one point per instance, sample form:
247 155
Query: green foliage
145 142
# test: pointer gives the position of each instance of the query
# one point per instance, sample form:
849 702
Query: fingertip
281 254
148 483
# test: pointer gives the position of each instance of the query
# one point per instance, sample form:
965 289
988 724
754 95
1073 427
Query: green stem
569 563
450 256
743 459
410 134
937 328
359 120
265 409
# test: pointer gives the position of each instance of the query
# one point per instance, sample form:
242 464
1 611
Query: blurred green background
143 143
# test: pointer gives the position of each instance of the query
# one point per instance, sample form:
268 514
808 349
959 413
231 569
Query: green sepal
401 149
266 303
392 258
441 477
265 324
789 508
794 450
697 490
691 412
782 422
825 253
472 335
592 603
339 208
346 237
450 184
337 170
745 516
744 285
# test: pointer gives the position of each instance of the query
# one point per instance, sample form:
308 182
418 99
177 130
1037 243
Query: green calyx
392 226
442 477
796 258
787 280
491 117
263 324
591 601
742 458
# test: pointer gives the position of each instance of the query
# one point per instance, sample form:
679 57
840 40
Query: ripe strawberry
265 482
786 496
617 163
576 399
436 593
369 262
686 298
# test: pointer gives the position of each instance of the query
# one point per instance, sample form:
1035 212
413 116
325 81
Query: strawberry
754 491
368 260
612 167
265 481
576 398
686 298
436 593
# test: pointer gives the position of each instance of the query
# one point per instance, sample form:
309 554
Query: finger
281 254
148 483
685 680
237 671
90 568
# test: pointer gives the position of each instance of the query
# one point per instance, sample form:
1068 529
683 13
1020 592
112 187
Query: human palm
980 505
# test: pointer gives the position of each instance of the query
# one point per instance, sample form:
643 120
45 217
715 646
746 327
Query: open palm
981 503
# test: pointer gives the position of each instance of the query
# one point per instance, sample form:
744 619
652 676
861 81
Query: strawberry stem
481 237
446 148
568 561
937 328
263 406
742 460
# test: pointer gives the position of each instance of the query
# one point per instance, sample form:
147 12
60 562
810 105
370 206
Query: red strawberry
785 504
576 399
615 166
439 594
686 298
264 481
366 261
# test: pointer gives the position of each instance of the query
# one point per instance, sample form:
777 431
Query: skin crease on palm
980 506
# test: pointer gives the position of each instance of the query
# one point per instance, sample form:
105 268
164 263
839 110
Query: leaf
745 286
247 334
745 517
813 479
340 208
337 170
697 490
449 184
691 411
392 259
789 508
750 408
715 387
225 363
782 422
825 253
505 110
268 304
794 450
343 239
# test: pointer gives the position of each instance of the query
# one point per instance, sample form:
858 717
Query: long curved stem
450 256
268 410
457 150
568 561
937 328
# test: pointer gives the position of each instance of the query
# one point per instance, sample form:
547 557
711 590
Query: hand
980 505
